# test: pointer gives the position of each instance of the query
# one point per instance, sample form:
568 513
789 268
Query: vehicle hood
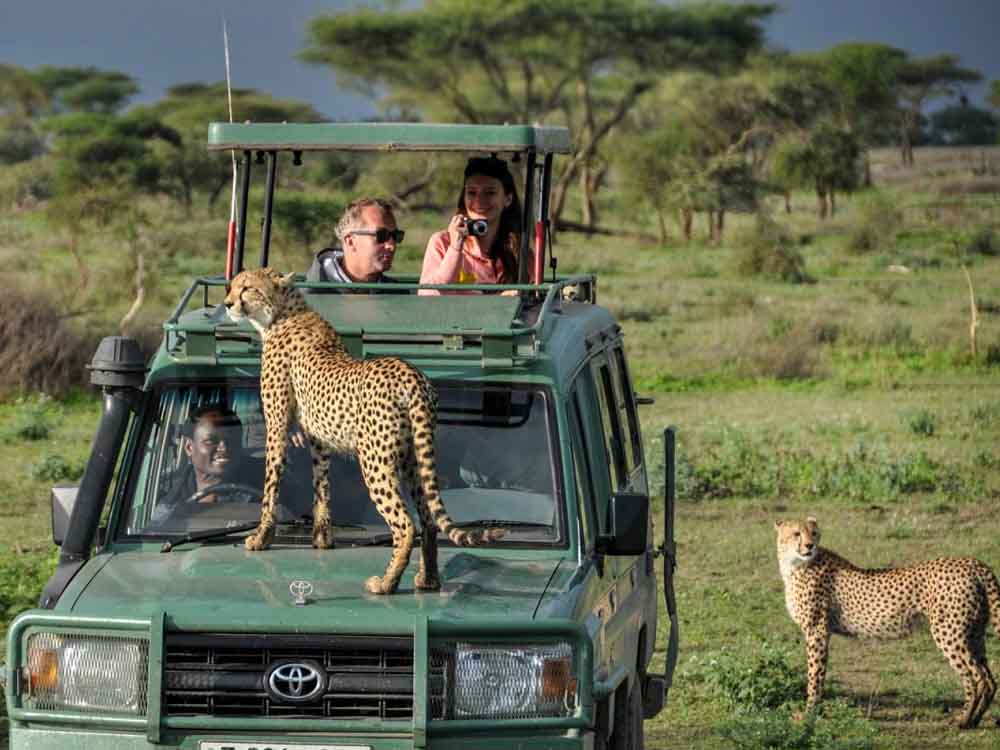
226 586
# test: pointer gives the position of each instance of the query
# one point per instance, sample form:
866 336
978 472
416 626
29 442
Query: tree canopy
579 62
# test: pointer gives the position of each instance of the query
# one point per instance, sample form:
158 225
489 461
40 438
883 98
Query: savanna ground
853 397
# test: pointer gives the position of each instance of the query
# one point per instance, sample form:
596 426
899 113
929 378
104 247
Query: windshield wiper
208 534
486 523
211 534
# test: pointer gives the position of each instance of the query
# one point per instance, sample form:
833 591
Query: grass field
853 397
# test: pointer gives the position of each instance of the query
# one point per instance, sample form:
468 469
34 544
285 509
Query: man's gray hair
351 218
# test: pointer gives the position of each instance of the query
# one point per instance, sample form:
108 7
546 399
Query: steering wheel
230 489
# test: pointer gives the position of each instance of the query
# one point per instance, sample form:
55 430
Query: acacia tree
188 167
584 63
862 76
826 158
917 82
709 154
101 162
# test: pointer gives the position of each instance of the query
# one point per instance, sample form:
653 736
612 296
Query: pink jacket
467 267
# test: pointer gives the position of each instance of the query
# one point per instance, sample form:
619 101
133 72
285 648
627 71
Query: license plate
269 745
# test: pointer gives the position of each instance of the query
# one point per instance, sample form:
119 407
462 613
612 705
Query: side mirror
629 527
63 500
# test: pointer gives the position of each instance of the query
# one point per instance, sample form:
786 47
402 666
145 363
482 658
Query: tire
629 733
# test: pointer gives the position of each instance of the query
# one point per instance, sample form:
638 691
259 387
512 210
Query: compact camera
476 227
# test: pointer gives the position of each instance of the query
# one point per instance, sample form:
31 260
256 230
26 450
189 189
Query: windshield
201 467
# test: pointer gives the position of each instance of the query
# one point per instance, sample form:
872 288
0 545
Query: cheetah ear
777 525
812 523
287 280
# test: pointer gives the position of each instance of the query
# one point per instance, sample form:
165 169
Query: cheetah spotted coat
382 410
826 594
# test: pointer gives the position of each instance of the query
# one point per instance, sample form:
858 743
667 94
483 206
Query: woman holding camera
483 239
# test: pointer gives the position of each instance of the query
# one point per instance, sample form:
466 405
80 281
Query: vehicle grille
225 675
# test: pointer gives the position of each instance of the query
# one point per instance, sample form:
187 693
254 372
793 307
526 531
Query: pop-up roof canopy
388 136
537 143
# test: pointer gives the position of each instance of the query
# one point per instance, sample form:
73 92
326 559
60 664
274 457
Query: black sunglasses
382 234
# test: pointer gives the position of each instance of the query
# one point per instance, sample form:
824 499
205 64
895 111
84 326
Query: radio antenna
231 234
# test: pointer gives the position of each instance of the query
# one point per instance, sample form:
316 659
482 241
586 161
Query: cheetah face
256 296
798 541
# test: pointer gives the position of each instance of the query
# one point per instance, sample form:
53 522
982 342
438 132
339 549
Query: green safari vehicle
159 630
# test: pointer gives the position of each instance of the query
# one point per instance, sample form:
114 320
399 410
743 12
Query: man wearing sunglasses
368 239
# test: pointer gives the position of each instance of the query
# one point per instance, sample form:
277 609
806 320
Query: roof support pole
527 227
542 225
244 199
265 241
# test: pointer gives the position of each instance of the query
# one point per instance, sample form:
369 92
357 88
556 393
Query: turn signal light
42 671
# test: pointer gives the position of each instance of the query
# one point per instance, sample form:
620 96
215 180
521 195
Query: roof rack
387 136
501 331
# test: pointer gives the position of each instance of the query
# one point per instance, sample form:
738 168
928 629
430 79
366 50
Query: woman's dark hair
507 243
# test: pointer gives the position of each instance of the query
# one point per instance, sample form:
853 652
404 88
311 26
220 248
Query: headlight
513 682
85 673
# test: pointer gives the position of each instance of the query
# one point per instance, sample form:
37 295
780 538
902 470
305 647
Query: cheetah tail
423 420
989 582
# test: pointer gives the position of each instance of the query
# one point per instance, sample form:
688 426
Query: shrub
38 350
920 422
21 580
735 465
769 251
55 468
759 679
879 222
790 355
982 241
32 419
837 727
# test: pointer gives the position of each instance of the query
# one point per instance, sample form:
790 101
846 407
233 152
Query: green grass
854 399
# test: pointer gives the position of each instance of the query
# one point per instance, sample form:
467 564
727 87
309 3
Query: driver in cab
212 442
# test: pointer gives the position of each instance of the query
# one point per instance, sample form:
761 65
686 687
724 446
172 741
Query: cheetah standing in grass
826 594
381 410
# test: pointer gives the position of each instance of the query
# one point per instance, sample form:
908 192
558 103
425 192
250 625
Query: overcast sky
164 42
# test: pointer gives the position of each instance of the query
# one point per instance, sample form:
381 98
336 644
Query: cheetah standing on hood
381 410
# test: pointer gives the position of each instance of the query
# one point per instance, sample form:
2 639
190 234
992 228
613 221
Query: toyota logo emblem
300 591
296 682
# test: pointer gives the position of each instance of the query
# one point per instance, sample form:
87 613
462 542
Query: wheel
629 733
230 490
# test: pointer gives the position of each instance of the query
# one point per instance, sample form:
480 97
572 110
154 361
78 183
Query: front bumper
43 729
22 738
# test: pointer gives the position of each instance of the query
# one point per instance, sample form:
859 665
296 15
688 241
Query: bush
26 184
789 355
21 580
877 227
758 680
920 422
734 465
982 241
38 351
769 251
55 468
837 727
32 419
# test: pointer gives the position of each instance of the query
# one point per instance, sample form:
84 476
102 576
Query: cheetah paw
322 537
259 541
374 585
427 583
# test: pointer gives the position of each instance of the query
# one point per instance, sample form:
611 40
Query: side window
592 476
610 420
626 406
586 509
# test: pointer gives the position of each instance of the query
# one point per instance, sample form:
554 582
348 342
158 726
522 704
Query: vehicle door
612 446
